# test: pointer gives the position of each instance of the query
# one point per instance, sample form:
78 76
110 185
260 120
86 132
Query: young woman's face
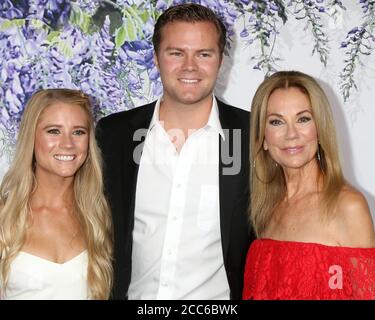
61 140
290 134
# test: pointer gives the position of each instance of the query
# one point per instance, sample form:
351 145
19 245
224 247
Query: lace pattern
296 270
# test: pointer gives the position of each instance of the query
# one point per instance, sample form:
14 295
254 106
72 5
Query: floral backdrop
104 47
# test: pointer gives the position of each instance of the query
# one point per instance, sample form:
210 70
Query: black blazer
120 138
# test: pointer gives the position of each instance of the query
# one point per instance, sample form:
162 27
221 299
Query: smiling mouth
293 150
189 81
61 157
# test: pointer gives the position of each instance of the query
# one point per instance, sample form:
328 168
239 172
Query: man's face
188 59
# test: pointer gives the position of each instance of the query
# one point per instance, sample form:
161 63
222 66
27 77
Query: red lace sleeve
361 270
297 270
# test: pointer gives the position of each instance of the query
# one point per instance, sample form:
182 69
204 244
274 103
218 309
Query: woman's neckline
307 243
52 262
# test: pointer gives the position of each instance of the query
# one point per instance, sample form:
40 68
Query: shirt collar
155 116
213 122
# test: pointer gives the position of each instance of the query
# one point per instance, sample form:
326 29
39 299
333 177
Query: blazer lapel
140 123
227 182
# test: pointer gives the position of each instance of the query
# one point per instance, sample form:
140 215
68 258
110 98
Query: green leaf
135 19
38 24
8 24
131 29
120 37
145 15
86 23
65 48
82 20
53 36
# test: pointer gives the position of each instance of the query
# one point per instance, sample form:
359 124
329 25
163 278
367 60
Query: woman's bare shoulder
355 227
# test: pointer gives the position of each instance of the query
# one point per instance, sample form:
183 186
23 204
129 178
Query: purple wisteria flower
311 11
101 47
261 21
359 41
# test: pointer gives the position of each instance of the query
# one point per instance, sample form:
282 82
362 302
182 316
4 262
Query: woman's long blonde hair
90 204
266 179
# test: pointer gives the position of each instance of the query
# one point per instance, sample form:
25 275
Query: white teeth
188 80
64 158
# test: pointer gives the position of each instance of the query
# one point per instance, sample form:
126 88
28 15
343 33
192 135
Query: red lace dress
297 270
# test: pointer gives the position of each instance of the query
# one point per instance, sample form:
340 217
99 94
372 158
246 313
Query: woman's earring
318 153
319 157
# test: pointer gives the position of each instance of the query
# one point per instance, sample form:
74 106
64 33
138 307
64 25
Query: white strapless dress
32 277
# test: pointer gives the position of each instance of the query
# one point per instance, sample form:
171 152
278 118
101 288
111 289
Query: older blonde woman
55 239
316 235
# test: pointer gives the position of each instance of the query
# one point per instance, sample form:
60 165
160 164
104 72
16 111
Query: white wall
355 119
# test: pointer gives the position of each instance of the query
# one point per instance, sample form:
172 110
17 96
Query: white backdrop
354 119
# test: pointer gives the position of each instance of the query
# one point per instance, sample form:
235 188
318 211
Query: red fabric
297 270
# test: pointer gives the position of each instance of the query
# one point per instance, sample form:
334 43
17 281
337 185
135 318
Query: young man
176 173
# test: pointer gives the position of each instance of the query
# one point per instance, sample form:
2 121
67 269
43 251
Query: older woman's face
61 140
290 133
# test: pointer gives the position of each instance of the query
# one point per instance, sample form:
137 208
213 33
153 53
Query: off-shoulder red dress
308 271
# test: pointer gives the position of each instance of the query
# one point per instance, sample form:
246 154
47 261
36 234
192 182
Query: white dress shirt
177 251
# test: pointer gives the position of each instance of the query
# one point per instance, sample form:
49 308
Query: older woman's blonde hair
266 179
90 204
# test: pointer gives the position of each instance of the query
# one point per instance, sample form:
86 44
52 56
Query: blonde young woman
55 240
316 234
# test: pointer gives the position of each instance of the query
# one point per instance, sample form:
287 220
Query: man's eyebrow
182 49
